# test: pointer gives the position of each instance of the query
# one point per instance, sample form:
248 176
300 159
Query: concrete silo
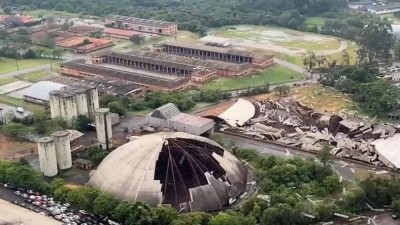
81 101
103 127
55 108
47 156
63 149
69 107
92 100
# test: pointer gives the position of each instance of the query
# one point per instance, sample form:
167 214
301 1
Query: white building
72 101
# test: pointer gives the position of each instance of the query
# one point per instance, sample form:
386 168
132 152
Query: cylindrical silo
55 104
63 149
81 102
92 100
68 107
104 127
47 156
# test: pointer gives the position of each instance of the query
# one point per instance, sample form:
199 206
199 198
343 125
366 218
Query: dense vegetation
365 85
193 15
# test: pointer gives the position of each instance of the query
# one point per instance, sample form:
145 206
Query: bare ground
11 149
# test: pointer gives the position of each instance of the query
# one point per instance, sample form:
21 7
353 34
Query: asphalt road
9 108
346 170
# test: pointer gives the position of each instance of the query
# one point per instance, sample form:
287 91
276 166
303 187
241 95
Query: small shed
394 114
83 163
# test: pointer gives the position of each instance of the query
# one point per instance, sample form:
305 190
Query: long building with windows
142 25
215 53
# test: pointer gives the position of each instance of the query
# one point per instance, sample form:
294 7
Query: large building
142 25
189 172
168 116
215 53
39 92
83 45
71 101
147 81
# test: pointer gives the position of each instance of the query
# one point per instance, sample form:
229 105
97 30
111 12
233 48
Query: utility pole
16 63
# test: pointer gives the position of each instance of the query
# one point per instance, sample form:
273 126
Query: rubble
289 122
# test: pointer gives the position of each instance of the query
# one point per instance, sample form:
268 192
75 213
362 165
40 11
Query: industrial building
83 45
142 25
39 92
103 125
47 156
63 149
215 53
190 173
147 81
173 64
71 101
119 33
168 116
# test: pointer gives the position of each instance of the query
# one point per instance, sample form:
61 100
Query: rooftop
77 43
211 49
385 7
41 90
114 31
197 121
68 91
84 29
178 61
140 21
134 77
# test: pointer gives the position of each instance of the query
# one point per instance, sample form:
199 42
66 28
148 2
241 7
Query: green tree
324 155
104 205
395 207
82 123
164 215
137 39
7 10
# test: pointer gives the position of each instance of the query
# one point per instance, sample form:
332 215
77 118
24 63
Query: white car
24 195
20 110
29 191
17 193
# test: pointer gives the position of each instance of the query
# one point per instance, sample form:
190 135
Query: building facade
142 25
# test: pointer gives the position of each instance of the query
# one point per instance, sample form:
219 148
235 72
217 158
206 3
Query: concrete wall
55 108
47 156
68 108
82 103
63 149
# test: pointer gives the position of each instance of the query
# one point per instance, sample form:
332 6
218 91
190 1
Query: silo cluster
72 101
54 153
104 127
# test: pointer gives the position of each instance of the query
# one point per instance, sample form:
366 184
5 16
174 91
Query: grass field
34 76
318 21
274 75
316 46
7 80
187 36
10 65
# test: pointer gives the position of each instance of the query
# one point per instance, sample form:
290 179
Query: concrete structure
78 45
168 116
216 53
362 4
39 92
189 172
63 149
239 113
71 101
47 156
142 25
104 128
384 9
388 151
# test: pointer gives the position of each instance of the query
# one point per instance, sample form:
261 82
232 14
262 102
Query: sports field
10 65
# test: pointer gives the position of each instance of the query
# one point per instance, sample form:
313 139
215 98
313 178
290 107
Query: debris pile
293 124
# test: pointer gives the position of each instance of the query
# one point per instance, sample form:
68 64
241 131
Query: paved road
4 109
344 169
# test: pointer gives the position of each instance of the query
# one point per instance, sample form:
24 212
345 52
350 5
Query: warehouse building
215 53
168 116
142 25
174 64
39 92
188 172
148 81
83 45
119 33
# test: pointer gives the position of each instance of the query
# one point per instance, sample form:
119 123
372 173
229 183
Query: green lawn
277 74
311 46
34 76
7 80
318 21
10 65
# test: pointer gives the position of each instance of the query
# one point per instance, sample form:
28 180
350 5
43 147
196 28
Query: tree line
195 15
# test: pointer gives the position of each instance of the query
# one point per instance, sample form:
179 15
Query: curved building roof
239 113
189 172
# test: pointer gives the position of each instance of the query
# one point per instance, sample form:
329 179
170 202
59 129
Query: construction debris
289 122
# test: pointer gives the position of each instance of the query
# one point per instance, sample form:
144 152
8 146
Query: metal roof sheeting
239 113
388 150
41 89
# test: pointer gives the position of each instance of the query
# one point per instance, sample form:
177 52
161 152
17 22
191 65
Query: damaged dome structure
188 172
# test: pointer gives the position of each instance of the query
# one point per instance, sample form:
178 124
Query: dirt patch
317 97
217 110
11 149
